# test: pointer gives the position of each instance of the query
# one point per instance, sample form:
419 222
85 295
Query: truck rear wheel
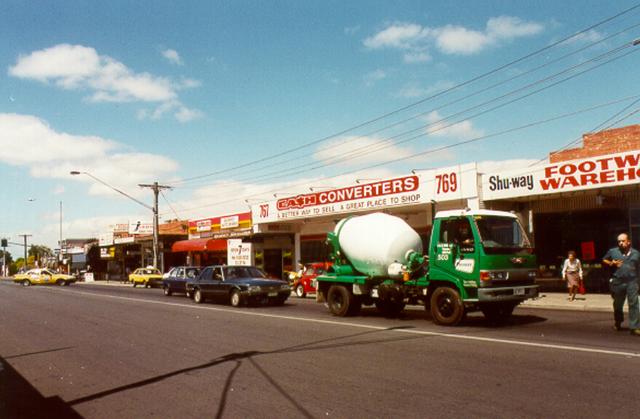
447 308
341 302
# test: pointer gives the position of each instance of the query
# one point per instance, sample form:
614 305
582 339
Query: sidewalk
548 300
559 301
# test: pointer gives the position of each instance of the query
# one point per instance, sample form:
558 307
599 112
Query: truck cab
486 257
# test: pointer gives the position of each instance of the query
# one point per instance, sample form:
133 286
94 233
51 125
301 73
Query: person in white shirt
572 273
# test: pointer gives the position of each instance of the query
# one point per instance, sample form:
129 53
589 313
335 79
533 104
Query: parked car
176 279
304 284
43 277
148 277
237 285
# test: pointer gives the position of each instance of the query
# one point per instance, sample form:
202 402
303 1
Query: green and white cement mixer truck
476 260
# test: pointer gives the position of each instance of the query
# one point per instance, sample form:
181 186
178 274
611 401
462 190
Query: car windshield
235 272
501 234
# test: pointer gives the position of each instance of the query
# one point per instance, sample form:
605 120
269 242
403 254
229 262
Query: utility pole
4 257
156 190
25 248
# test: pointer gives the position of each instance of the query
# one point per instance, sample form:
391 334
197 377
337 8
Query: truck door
456 252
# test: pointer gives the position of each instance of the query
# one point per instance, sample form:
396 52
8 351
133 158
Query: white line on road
371 327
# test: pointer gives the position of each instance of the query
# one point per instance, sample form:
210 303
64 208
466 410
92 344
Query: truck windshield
501 234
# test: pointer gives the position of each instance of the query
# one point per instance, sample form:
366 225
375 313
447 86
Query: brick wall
611 141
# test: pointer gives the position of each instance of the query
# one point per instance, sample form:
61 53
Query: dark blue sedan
176 279
237 285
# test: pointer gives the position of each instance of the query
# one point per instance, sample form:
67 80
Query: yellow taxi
146 276
43 277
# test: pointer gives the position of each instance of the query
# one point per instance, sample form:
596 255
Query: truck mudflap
507 293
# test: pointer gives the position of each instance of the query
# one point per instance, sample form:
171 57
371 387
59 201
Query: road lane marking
370 327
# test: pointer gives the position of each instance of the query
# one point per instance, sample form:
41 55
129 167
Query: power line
430 151
439 126
414 104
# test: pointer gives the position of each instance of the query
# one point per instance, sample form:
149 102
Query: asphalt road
105 352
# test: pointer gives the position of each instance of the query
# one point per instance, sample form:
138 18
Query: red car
304 284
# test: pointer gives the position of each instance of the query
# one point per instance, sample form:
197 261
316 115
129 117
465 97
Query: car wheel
198 297
167 291
447 308
134 284
26 283
60 282
235 298
146 284
300 291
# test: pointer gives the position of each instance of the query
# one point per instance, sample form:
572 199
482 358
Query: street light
154 209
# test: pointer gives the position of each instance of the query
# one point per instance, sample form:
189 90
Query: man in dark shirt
624 283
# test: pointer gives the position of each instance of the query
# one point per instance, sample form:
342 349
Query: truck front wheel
447 308
342 302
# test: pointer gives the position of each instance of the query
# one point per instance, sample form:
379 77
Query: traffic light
4 243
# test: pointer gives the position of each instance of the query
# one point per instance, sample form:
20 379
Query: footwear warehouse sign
567 176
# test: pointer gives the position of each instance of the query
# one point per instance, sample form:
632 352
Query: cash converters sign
594 172
371 190
370 196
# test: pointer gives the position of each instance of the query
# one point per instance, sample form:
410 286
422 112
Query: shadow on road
19 399
239 357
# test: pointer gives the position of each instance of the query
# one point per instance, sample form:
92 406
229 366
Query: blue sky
137 92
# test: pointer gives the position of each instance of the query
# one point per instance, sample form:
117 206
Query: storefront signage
443 184
239 253
140 228
121 228
573 175
229 222
203 225
105 239
107 252
121 240
212 227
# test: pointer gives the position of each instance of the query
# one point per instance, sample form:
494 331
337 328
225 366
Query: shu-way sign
567 176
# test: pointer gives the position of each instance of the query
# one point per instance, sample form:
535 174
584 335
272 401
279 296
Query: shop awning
199 245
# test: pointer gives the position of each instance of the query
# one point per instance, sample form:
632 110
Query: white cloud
76 67
374 76
173 56
350 151
463 130
588 37
459 40
398 35
27 140
30 142
186 115
415 40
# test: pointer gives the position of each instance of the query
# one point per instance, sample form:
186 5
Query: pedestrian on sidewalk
572 273
624 282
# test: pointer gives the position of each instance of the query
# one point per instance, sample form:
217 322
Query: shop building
580 200
305 219
207 238
130 245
